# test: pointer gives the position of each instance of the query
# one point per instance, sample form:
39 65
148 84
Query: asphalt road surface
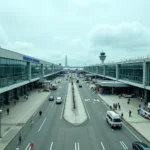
52 132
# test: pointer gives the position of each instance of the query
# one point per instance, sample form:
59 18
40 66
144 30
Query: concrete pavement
78 115
19 115
52 132
138 122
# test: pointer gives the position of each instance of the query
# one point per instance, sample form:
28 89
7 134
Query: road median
74 114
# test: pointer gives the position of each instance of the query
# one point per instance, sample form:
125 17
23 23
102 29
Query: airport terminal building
135 73
19 73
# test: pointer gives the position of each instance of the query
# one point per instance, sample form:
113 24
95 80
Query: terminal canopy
108 83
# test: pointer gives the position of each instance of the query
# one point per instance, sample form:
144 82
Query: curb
127 122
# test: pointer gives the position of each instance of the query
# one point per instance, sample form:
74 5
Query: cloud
87 2
125 36
3 37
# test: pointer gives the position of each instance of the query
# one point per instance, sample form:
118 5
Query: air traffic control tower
102 57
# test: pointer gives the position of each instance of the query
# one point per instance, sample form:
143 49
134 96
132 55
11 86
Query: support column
29 70
42 71
145 74
117 72
145 95
112 90
104 70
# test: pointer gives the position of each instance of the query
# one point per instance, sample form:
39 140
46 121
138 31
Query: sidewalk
141 124
19 115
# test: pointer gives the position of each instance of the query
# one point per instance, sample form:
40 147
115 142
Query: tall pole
0 123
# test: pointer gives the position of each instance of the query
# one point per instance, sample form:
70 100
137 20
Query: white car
58 100
113 119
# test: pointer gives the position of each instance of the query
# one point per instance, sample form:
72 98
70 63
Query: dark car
140 146
51 98
80 86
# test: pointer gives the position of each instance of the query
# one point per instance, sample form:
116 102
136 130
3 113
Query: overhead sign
31 59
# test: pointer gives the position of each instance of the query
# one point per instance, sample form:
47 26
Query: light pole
0 122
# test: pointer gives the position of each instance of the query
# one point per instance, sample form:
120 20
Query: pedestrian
121 115
40 112
31 123
7 111
32 145
141 99
119 106
110 107
116 106
129 113
20 138
128 101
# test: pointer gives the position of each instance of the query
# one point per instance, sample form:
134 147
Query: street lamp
0 122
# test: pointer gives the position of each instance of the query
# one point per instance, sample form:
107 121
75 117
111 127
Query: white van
113 119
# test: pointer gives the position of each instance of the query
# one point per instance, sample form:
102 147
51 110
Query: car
58 100
80 86
51 98
140 146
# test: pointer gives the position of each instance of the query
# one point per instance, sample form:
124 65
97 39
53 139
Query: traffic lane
38 126
49 116
76 138
103 132
129 129
46 128
52 128
127 134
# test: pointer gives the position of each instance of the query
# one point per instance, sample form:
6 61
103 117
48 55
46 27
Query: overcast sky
80 29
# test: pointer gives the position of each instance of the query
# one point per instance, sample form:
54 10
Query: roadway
52 132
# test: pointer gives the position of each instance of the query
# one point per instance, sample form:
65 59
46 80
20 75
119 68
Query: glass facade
148 74
131 72
110 71
12 71
48 69
35 70
101 70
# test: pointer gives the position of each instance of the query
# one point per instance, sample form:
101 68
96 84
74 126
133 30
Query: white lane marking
51 146
62 110
75 146
42 124
27 146
123 145
7 132
102 146
53 103
86 110
78 146
93 102
132 132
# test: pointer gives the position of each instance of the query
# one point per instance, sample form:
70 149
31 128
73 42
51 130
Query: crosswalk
94 100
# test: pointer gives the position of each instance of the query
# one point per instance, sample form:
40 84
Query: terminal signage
30 59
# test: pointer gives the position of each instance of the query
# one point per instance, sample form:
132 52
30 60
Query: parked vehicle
113 119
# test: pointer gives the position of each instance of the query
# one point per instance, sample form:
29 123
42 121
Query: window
117 120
